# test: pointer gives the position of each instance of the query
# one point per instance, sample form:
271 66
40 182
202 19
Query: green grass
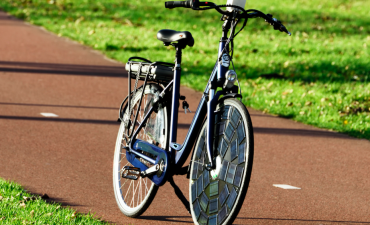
322 72
17 206
20 207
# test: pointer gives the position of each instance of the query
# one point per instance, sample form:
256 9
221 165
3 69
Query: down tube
195 126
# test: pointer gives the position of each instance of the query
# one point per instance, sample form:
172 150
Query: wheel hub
216 171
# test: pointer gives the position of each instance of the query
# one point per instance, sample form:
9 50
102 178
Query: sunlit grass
20 207
328 52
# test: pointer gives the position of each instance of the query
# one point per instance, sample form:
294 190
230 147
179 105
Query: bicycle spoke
141 112
138 199
133 196
124 182
146 187
128 190
138 193
123 159
133 193
121 170
121 179
198 163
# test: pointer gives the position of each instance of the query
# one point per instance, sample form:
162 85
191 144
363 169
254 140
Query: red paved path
70 158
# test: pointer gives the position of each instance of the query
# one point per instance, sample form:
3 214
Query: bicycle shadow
168 218
251 220
299 220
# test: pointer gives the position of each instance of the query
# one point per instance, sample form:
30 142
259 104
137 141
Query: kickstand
179 194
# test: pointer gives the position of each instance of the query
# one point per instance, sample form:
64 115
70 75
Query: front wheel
216 196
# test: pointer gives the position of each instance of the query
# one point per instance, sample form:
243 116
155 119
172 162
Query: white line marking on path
285 186
49 114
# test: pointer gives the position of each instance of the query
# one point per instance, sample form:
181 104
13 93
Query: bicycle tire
217 196
158 123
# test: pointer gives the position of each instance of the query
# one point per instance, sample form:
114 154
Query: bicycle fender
230 95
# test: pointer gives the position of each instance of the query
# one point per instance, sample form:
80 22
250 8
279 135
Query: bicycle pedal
130 172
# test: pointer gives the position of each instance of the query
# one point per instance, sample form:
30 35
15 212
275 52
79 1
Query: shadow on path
299 132
304 220
70 120
63 120
167 218
65 69
71 106
261 130
62 106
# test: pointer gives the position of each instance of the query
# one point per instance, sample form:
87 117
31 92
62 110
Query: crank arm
133 173
152 170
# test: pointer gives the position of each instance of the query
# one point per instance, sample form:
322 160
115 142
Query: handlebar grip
175 4
283 29
276 24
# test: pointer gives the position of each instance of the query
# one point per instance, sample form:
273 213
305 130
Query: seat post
178 53
176 93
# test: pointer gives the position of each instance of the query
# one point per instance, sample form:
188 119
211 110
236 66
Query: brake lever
277 24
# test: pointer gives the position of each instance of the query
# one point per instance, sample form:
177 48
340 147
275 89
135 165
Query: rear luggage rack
147 71
161 72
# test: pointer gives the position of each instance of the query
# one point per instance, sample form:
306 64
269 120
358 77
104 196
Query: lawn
17 206
319 76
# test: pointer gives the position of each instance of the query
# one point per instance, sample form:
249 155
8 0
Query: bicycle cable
230 40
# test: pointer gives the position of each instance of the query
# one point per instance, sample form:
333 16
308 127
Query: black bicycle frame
207 105
204 108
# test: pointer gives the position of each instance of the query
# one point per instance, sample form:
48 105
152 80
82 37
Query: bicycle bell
240 3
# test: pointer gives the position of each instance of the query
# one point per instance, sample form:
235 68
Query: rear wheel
216 196
134 196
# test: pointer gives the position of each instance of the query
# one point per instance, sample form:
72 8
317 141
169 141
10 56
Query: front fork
222 68
211 107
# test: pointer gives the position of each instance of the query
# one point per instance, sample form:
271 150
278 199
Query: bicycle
146 153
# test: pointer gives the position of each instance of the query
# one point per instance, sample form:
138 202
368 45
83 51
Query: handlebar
194 4
251 13
175 4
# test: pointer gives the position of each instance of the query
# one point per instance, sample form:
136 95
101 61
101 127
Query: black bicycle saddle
168 36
